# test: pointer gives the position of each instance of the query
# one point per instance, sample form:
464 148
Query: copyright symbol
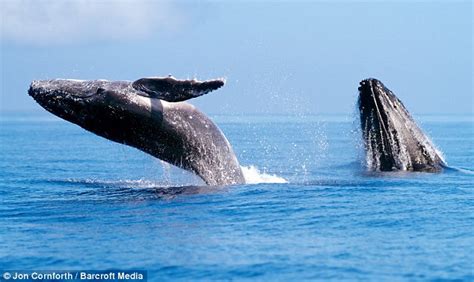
7 275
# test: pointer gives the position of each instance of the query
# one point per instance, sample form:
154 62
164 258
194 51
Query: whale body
392 140
150 115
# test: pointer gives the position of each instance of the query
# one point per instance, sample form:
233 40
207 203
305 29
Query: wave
253 175
122 183
460 169
135 189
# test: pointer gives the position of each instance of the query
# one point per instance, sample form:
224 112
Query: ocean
73 200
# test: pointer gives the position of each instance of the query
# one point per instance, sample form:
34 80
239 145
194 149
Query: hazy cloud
45 22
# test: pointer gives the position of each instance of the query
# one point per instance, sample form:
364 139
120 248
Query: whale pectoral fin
171 89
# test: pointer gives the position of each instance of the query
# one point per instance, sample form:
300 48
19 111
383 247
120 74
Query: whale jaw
392 140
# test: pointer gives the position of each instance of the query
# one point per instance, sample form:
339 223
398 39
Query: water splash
253 176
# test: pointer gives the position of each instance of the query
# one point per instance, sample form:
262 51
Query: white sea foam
253 176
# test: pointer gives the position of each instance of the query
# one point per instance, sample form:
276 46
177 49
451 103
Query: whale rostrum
392 139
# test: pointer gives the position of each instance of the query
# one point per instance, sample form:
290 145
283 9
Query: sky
277 57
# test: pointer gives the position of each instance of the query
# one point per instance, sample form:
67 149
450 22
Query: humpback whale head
96 105
391 137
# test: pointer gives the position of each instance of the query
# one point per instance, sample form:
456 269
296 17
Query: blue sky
278 57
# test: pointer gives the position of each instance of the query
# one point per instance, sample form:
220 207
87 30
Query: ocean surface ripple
72 200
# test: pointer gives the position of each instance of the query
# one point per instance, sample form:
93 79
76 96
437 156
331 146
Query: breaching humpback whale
147 114
391 137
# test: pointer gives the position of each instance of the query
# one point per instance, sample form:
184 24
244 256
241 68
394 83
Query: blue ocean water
72 200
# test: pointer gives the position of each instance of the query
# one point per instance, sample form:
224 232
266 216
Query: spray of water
254 176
